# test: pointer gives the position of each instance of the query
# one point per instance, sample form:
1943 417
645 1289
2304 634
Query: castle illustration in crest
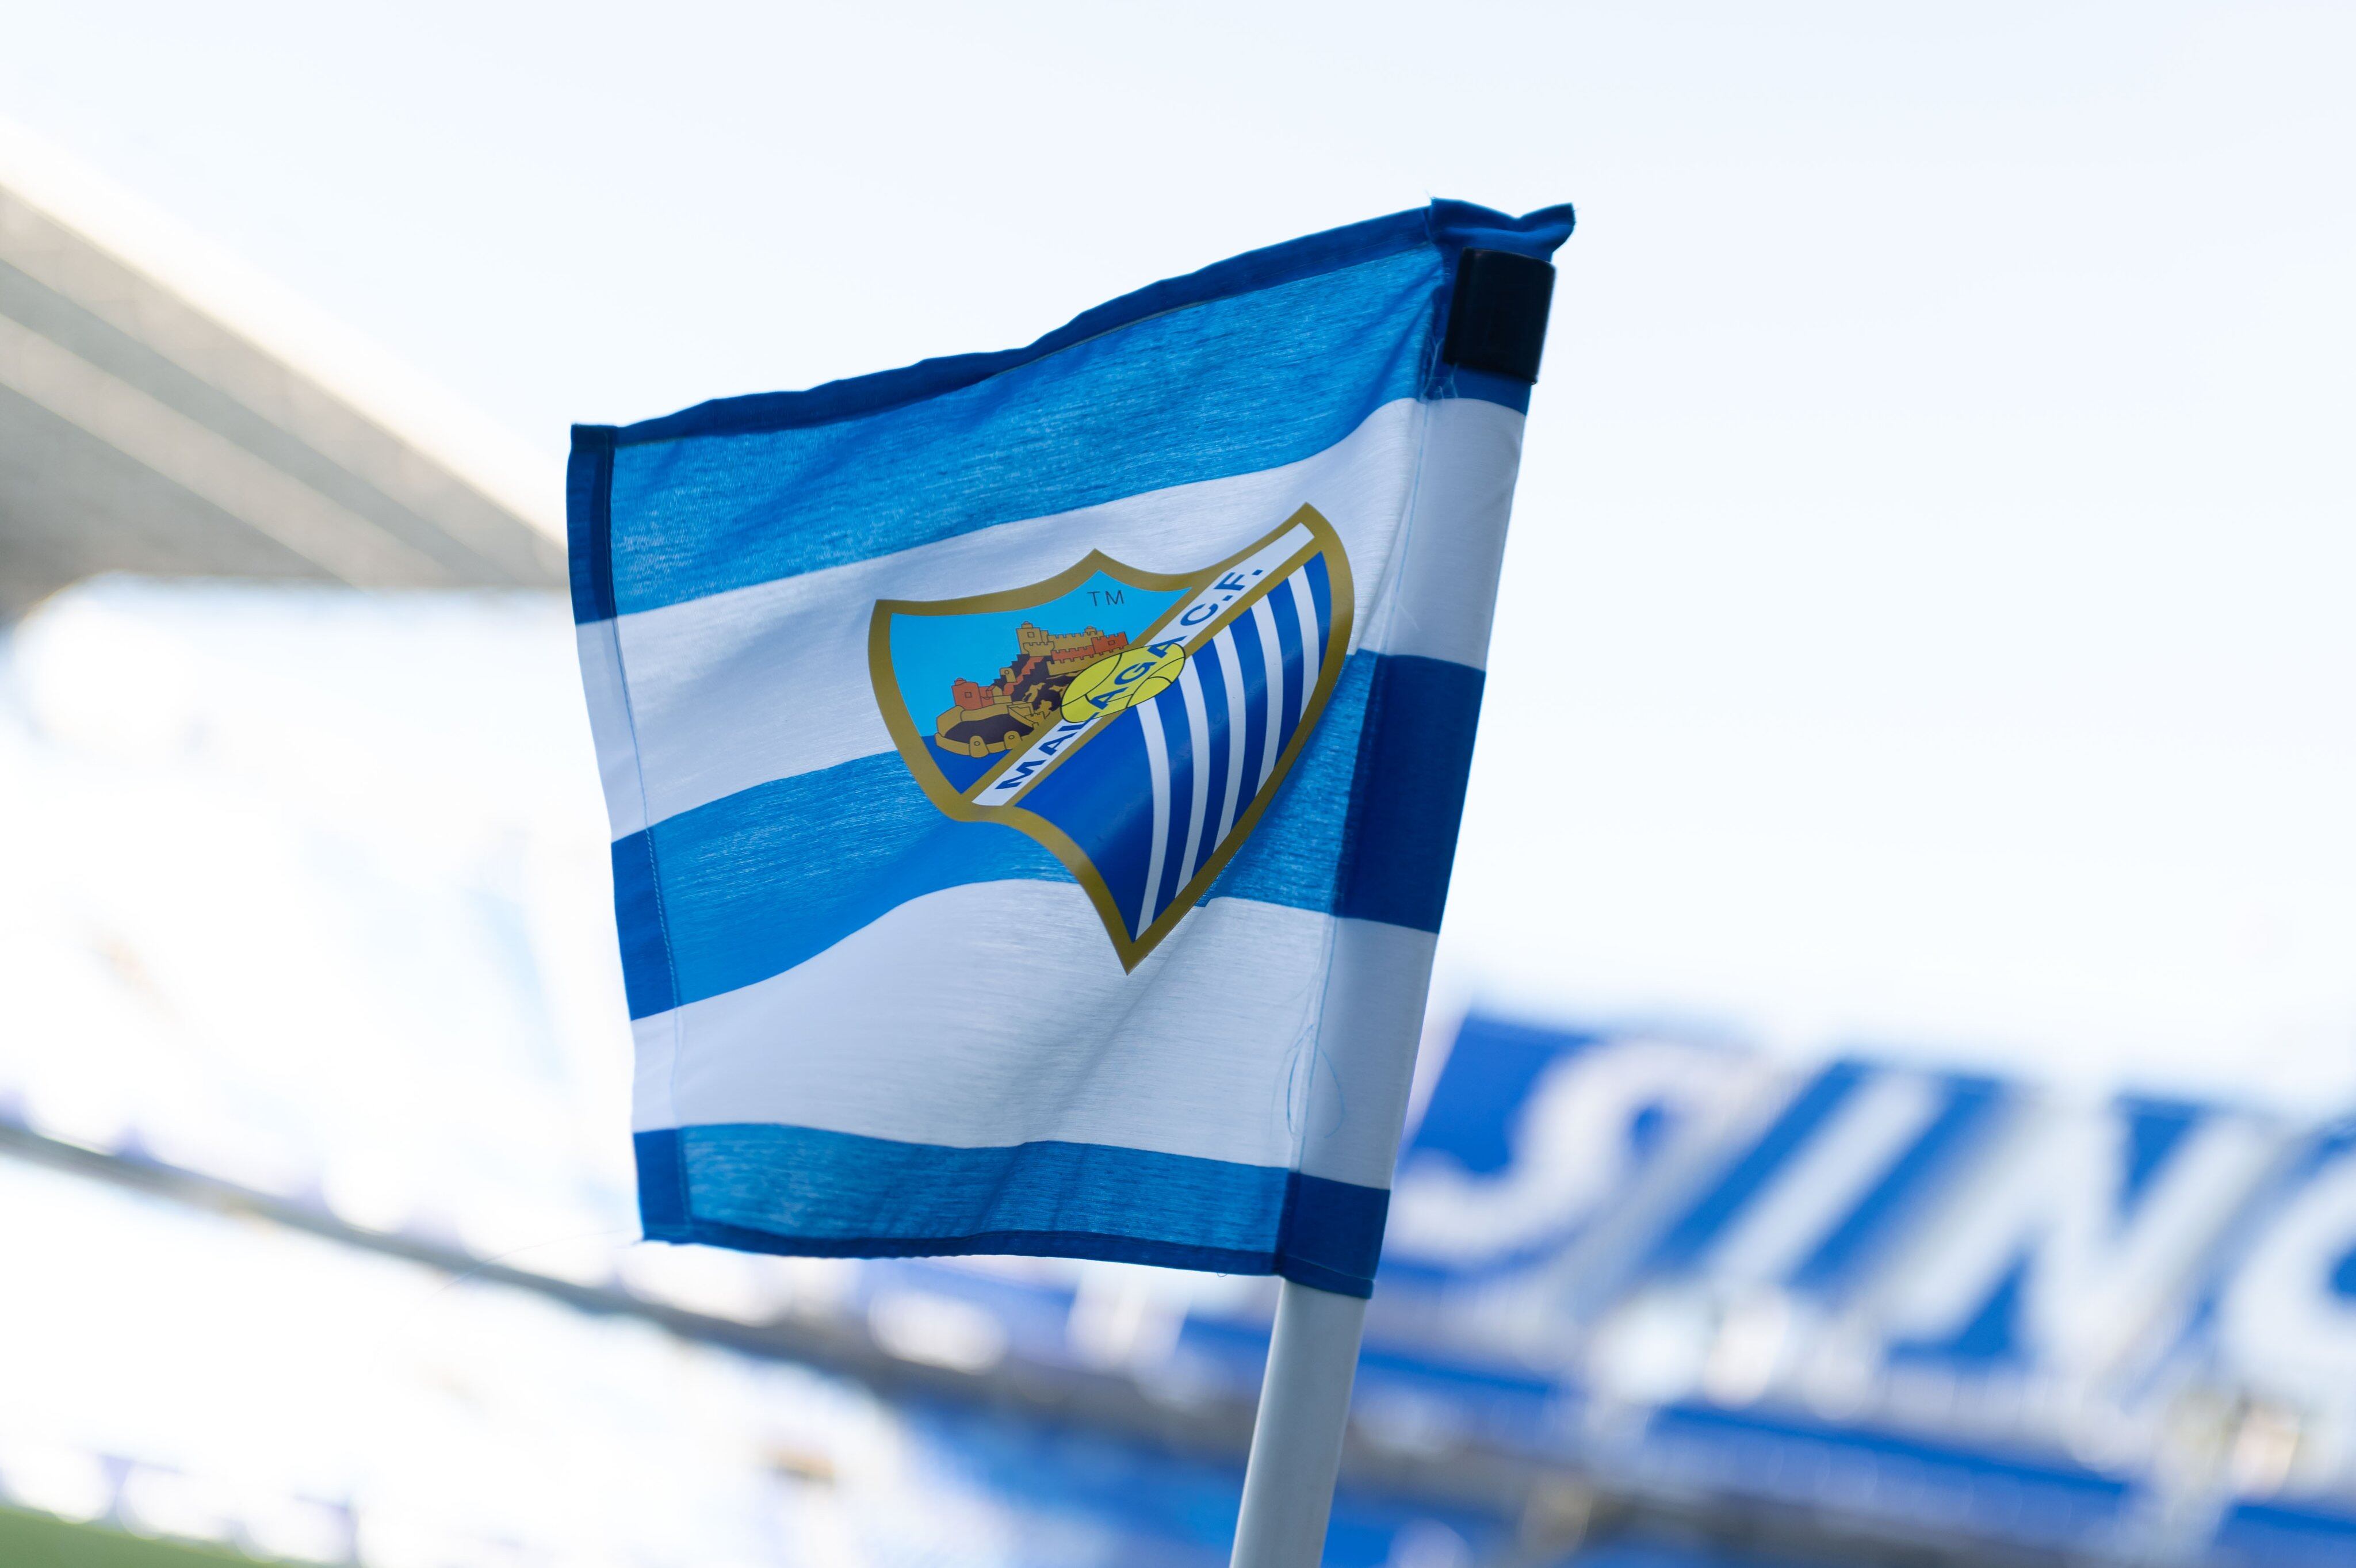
1028 694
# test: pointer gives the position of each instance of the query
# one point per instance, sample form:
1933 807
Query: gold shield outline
960 807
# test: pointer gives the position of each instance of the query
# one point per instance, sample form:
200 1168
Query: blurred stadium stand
314 1178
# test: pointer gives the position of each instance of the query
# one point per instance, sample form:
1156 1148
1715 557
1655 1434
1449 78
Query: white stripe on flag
881 1049
1313 642
1198 725
1272 657
1231 672
732 691
1157 764
1375 979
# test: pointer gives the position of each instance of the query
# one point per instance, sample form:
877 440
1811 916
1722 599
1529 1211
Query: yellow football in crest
1122 680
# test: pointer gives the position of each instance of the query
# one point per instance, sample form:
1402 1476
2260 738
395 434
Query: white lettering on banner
2101 1271
1573 1145
2287 1320
1809 1197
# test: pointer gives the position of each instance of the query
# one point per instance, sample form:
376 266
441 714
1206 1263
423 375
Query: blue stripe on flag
763 1188
662 1183
764 879
1453 226
588 521
1178 729
1233 386
1412 769
841 476
647 975
1401 728
1296 681
1271 267
1251 661
1211 672
1332 1234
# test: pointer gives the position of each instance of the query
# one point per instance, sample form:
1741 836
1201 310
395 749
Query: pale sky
1927 625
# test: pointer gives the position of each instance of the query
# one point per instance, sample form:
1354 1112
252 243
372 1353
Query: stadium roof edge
170 408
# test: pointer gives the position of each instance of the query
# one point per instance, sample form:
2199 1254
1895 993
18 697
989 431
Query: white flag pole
1496 327
1304 1410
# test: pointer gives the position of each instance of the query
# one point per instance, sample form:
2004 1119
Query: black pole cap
1497 316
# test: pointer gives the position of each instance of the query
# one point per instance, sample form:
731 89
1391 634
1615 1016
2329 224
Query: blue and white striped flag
1034 774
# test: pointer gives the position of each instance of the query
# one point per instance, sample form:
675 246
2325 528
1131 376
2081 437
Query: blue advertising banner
1965 1306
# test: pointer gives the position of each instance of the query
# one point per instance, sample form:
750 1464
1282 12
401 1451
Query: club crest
1135 724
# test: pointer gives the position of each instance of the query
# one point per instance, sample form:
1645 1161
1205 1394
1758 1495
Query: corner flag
1035 775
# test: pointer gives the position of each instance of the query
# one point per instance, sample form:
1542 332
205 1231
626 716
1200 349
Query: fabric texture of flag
1035 775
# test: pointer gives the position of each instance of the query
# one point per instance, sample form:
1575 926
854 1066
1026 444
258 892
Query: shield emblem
1136 723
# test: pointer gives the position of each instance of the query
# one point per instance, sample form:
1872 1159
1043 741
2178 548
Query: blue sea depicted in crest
931 653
